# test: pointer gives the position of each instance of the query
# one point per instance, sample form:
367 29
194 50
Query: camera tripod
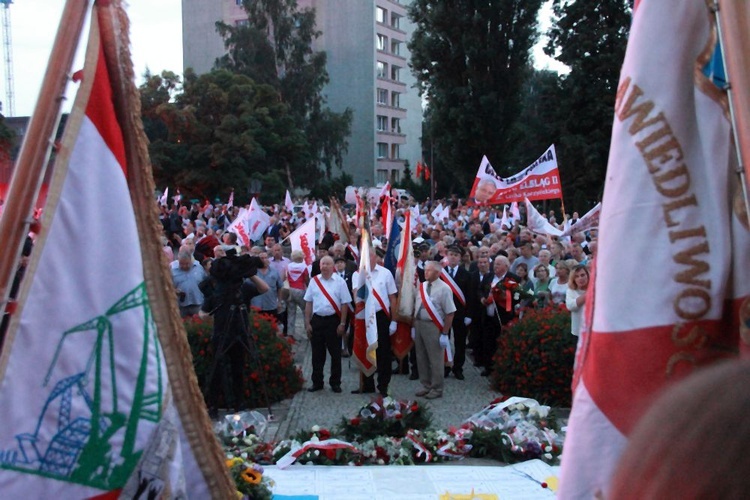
234 345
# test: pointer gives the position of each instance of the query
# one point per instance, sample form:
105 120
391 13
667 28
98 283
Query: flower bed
535 357
282 377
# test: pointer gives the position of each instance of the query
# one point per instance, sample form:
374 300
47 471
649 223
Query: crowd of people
475 276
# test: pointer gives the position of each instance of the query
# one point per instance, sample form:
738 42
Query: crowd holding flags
673 196
97 396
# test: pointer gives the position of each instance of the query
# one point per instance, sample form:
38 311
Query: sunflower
251 476
232 462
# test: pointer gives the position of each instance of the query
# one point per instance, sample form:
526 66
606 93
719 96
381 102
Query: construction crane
10 107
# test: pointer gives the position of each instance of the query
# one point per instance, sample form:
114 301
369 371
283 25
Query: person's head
483 264
321 252
326 266
266 260
432 270
454 254
229 238
485 189
297 256
576 251
270 241
525 249
526 235
483 252
219 252
692 442
337 250
500 266
339 263
541 272
522 270
579 278
185 259
544 257
277 252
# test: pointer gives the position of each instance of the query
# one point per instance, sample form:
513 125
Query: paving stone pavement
461 398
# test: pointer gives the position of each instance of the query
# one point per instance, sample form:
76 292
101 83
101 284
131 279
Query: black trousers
384 355
324 338
460 332
491 329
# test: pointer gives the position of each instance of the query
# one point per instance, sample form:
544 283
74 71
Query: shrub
283 378
535 357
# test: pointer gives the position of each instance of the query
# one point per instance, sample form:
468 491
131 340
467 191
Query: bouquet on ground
249 479
385 416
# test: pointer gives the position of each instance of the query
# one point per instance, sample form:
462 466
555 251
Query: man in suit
496 315
457 278
476 309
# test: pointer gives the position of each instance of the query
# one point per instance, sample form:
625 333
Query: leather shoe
363 391
315 389
459 375
446 372
336 389
414 376
422 392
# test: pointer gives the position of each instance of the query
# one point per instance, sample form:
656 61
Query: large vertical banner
88 402
671 277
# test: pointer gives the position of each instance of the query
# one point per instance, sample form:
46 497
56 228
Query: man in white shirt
326 310
385 291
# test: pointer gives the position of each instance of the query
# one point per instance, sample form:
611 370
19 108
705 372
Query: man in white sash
433 318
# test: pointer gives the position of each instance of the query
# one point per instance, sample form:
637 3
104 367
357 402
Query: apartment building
368 66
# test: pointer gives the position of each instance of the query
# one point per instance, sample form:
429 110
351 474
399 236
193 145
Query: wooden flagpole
733 22
37 143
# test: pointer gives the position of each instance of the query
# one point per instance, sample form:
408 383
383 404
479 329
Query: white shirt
336 288
382 281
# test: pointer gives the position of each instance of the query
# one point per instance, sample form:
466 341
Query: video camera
225 285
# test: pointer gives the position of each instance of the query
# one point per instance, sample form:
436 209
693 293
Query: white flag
537 223
505 222
303 239
288 205
93 402
164 197
239 226
588 221
438 212
230 203
515 212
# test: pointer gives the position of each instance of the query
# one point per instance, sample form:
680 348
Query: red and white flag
240 228
288 205
406 279
588 221
538 181
257 221
365 308
386 214
303 239
230 203
95 401
670 197
385 191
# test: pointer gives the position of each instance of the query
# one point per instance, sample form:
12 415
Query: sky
156 38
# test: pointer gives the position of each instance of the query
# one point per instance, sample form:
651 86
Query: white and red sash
446 277
327 295
430 307
384 306
354 250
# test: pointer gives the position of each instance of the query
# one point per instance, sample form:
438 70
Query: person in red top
298 278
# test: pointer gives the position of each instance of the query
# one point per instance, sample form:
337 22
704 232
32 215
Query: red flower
414 407
324 434
355 421
331 454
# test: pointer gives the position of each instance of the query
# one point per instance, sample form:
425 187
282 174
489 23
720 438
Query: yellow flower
232 462
251 476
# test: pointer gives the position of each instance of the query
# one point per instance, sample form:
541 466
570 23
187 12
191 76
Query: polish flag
97 397
671 194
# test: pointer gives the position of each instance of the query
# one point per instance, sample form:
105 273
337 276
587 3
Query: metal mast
10 107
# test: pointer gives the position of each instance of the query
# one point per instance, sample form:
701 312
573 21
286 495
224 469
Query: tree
221 131
590 38
471 60
275 47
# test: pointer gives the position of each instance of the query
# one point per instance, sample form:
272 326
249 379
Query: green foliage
275 47
282 377
325 188
535 357
470 60
590 38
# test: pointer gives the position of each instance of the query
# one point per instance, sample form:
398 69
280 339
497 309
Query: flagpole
732 21
37 143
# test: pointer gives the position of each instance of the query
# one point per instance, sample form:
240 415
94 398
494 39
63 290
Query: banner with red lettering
239 227
257 221
303 239
538 181
670 290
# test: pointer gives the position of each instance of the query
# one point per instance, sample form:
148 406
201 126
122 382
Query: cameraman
233 284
